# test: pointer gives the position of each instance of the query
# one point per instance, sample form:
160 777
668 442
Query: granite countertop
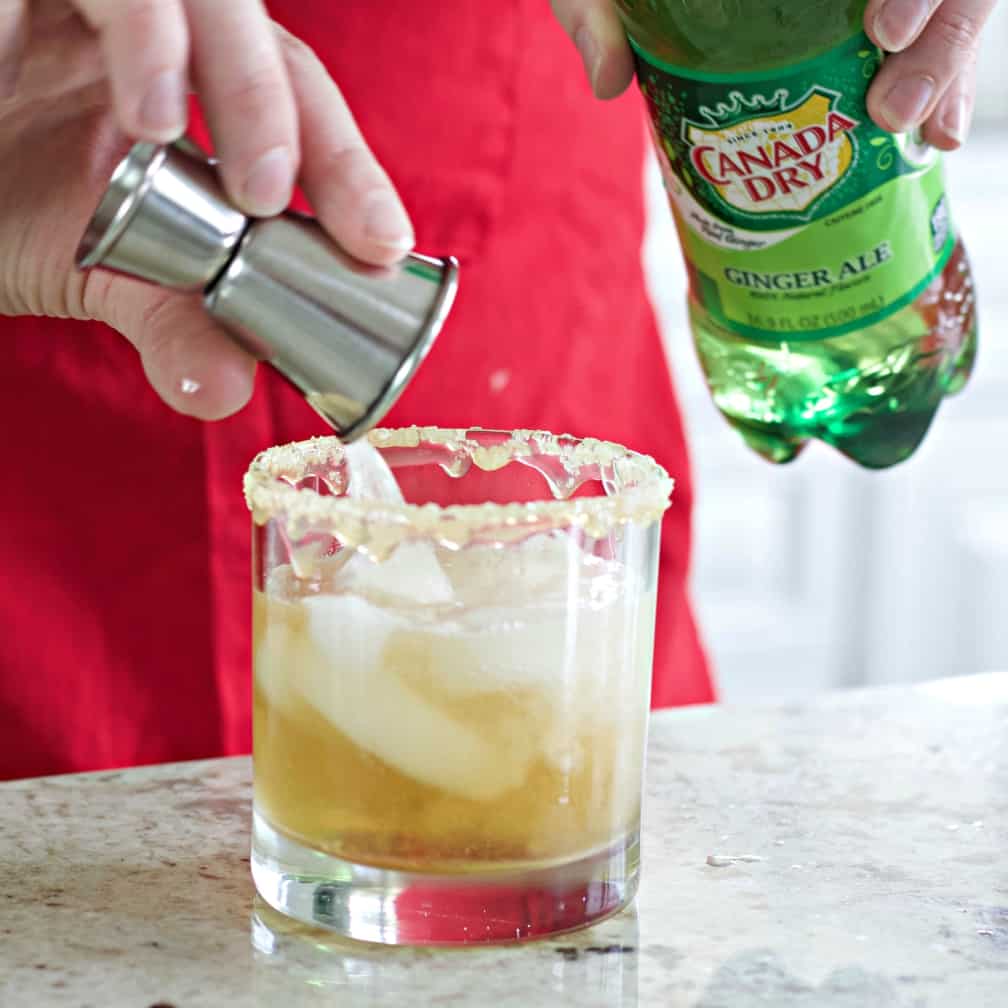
848 853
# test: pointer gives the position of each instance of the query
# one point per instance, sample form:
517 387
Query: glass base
409 908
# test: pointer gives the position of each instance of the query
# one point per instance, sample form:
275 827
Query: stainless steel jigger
347 335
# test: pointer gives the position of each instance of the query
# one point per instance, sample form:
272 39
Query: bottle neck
735 36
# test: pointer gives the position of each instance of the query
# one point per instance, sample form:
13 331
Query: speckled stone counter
851 853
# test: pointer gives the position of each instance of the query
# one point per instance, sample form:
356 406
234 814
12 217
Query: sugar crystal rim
642 494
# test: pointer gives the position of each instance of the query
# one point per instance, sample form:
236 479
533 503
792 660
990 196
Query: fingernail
163 109
386 223
267 189
905 104
899 22
955 119
590 53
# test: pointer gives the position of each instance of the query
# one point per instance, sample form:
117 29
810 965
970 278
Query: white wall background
819 575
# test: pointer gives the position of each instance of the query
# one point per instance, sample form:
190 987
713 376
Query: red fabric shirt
125 539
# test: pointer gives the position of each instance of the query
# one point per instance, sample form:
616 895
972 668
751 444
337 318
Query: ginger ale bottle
829 294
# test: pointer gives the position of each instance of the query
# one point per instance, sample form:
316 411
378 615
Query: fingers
248 101
595 28
347 188
265 95
13 33
241 77
190 362
146 48
934 47
894 24
949 124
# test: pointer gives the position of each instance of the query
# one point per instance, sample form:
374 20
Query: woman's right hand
928 80
81 79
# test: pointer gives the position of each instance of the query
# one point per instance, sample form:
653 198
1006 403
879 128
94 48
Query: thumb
595 28
190 361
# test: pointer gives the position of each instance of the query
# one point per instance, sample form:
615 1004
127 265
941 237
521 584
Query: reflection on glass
296 965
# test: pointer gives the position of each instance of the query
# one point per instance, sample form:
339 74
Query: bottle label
798 216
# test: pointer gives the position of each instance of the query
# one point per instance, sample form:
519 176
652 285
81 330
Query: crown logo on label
739 106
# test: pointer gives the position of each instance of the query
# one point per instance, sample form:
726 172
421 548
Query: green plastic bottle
830 296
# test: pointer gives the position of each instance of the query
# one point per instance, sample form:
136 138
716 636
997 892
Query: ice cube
412 571
343 676
527 623
369 475
276 646
528 573
506 648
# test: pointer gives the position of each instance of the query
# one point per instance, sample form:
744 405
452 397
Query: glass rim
642 487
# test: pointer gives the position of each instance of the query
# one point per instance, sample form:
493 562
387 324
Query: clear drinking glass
451 692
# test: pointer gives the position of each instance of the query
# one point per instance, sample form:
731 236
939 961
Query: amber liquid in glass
504 730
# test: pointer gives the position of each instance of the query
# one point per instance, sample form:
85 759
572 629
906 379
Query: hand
80 78
928 81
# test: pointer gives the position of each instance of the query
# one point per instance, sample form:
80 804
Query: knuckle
354 168
89 294
156 340
142 9
958 31
294 48
256 92
137 15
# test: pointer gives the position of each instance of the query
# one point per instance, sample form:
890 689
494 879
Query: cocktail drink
453 642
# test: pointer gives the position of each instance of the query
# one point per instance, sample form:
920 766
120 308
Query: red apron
125 540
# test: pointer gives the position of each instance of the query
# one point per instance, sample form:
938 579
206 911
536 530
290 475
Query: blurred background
819 575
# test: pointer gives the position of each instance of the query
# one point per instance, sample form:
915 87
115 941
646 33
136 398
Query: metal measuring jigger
347 335
164 218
